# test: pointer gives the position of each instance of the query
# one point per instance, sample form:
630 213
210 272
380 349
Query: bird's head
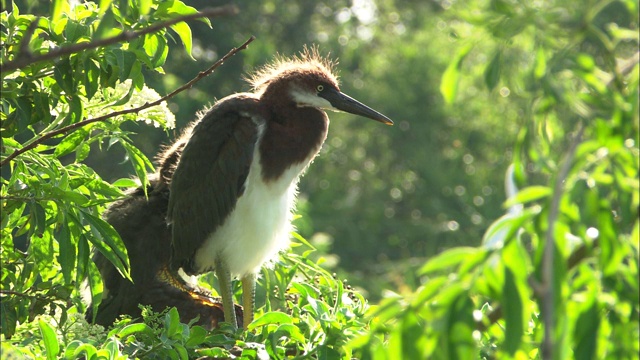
308 81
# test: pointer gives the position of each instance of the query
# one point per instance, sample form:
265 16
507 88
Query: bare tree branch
77 125
25 58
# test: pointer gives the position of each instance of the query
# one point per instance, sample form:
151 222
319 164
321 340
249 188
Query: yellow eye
320 88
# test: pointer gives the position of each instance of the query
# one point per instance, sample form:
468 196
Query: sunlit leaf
512 305
448 259
70 142
273 317
197 336
586 331
58 7
528 194
67 253
125 183
184 32
172 322
108 242
139 161
50 339
450 78
492 72
94 280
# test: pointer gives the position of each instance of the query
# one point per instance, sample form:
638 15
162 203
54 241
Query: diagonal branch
25 58
72 127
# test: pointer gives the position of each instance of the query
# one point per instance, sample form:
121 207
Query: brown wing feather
210 175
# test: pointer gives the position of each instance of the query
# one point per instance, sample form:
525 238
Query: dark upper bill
348 104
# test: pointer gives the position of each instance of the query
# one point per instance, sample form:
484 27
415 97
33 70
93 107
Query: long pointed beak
346 103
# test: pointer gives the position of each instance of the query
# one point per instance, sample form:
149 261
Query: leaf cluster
51 200
557 276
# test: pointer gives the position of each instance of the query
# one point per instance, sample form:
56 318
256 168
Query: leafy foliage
577 161
315 318
51 200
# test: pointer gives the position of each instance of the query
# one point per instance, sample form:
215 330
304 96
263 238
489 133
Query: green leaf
101 187
96 288
63 74
506 227
83 251
108 242
448 259
91 77
138 328
125 99
139 161
82 152
38 218
104 6
89 350
429 290
182 352
197 336
512 305
586 332
70 142
450 78
108 26
273 317
172 322
155 47
540 68
125 183
50 339
492 72
9 318
460 343
125 61
57 9
528 194
291 331
145 6
214 353
67 253
184 32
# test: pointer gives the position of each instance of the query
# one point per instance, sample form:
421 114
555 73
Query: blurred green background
379 200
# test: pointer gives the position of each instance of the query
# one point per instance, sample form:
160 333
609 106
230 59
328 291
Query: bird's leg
226 291
248 298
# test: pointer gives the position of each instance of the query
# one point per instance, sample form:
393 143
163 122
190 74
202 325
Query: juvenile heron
140 219
234 187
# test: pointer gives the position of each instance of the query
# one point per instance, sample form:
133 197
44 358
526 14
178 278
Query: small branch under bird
233 190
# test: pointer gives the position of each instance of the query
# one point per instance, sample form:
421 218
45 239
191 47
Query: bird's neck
293 137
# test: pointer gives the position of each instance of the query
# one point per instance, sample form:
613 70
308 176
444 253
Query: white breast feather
259 226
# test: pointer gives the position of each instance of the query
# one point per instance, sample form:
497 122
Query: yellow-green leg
248 298
226 292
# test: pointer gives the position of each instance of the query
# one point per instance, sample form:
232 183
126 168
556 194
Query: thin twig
22 60
17 293
72 127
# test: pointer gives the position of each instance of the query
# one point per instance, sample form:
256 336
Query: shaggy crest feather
309 59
